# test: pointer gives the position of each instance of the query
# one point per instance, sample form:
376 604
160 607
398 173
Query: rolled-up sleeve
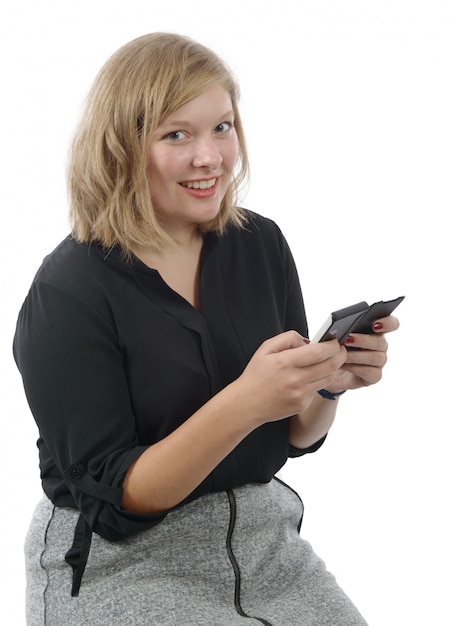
296 452
74 377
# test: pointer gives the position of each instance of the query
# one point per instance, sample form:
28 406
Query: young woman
164 356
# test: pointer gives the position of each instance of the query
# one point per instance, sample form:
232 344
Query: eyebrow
188 122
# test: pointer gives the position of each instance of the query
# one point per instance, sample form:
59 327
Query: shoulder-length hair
142 84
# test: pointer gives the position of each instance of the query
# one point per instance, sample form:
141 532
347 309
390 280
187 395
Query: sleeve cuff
296 452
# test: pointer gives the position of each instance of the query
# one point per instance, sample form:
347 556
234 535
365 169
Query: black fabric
77 555
113 360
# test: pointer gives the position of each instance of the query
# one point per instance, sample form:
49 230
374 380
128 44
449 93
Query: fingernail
377 326
306 340
350 339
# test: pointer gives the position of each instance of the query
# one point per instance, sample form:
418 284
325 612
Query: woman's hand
364 366
280 380
284 374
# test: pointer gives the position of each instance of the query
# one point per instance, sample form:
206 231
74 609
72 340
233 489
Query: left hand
364 367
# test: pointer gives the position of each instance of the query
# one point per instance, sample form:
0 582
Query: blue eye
224 127
175 135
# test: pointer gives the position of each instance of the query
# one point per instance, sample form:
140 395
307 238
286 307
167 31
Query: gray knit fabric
180 574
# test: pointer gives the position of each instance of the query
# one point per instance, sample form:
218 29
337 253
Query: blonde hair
143 83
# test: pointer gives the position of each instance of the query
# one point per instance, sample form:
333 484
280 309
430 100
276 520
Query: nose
207 154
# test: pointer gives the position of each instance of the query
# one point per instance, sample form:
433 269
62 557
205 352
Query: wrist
330 395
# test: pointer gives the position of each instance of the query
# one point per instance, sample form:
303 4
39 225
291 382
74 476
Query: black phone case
376 311
357 318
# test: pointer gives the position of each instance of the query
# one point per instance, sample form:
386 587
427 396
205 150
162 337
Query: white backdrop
347 107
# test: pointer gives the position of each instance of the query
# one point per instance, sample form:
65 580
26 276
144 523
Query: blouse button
76 473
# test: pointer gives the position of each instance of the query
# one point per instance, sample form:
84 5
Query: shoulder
69 261
74 266
259 235
259 224
77 275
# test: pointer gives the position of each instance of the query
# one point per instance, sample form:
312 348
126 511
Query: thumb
284 341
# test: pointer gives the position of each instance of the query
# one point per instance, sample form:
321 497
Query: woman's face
191 160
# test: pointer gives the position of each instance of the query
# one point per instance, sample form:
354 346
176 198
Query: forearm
276 383
168 471
308 427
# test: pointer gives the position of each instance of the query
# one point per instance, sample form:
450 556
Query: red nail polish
350 339
378 326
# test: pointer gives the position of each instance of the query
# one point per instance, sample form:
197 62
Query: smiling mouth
200 184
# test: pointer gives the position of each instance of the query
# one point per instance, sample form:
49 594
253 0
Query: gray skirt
227 559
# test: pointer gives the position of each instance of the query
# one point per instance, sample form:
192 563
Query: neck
178 266
188 246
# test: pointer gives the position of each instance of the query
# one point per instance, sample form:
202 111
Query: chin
207 216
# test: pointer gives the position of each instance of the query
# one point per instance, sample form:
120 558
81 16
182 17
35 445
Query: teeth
200 184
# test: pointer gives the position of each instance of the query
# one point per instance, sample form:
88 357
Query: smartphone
357 318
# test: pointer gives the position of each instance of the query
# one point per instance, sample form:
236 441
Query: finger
373 358
386 324
366 373
372 341
284 341
312 377
302 367
319 353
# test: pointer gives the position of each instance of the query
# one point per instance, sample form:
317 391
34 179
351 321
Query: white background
347 106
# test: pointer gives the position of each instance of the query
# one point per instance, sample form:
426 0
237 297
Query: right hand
284 374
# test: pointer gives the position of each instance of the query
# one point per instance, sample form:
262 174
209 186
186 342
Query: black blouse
114 360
